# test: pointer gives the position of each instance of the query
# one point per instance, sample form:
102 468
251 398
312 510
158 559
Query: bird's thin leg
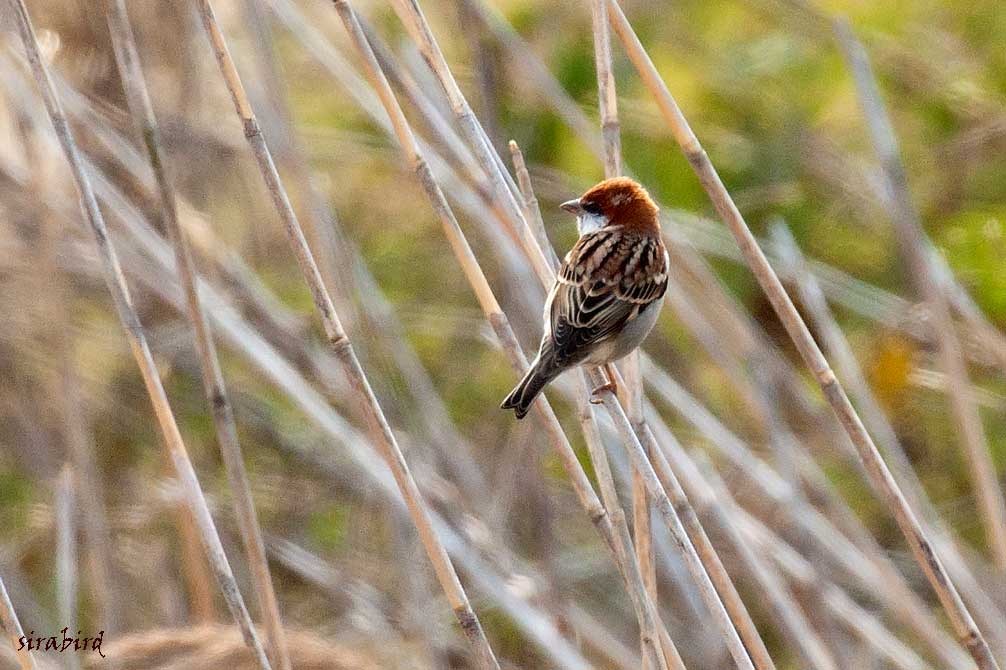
609 372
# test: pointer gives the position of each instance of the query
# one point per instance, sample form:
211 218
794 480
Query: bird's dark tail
528 389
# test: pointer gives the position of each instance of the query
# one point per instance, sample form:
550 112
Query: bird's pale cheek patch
588 223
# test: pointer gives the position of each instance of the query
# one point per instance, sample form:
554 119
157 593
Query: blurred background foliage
765 89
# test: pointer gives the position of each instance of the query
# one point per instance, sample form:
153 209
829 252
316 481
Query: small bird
608 292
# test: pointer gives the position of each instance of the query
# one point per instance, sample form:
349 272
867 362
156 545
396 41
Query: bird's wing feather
606 279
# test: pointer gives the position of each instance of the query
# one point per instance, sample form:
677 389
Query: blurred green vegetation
770 97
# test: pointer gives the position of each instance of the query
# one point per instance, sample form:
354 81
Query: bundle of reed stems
692 517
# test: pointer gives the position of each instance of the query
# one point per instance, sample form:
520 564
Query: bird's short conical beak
572 206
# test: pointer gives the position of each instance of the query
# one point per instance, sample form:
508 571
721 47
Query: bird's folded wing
604 282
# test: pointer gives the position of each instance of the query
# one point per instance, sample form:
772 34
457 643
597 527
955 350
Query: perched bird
606 296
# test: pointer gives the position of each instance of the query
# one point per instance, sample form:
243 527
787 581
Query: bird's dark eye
591 208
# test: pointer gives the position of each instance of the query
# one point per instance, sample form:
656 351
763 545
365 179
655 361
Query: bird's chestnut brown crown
623 202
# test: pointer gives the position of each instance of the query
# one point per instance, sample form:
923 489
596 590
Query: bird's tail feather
527 390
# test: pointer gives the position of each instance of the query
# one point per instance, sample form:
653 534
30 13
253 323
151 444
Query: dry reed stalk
932 288
142 112
137 339
814 20
874 574
64 510
659 499
11 625
700 547
411 15
840 605
611 136
838 348
654 656
342 348
532 212
198 583
480 286
707 553
788 616
606 94
963 623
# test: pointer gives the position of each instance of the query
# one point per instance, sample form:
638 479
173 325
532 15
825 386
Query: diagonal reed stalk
804 575
532 212
932 288
606 482
411 15
137 339
617 541
657 496
12 626
142 111
788 616
874 574
963 623
839 349
342 348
